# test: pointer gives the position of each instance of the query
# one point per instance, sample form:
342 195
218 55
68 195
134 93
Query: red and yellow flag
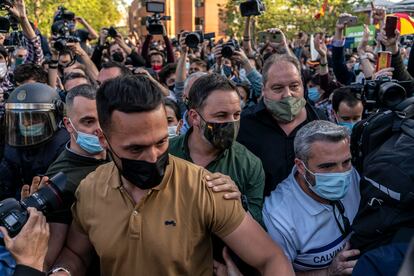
321 12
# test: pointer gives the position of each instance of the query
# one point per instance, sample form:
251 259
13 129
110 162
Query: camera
15 37
153 23
228 49
382 93
252 8
63 29
193 39
63 14
5 4
64 34
112 32
14 214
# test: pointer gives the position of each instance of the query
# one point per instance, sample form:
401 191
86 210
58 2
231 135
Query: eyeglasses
345 227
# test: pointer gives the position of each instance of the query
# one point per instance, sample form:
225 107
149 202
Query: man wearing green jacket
214 110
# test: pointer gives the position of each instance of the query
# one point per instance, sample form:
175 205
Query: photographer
250 73
26 252
34 49
342 72
71 57
85 35
247 44
168 48
392 44
119 51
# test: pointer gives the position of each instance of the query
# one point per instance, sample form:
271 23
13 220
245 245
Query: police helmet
33 112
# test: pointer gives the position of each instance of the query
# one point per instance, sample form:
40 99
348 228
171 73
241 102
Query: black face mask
117 56
220 135
143 174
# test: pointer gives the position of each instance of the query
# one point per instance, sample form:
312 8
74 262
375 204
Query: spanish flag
321 12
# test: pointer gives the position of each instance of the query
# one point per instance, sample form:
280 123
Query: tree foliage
98 13
289 15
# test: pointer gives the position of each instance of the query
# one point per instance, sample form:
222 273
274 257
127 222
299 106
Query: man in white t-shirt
310 213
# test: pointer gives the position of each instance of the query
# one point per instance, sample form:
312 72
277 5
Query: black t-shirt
83 35
76 168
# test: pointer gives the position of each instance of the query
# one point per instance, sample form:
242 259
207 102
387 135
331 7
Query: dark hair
157 53
258 61
344 95
276 59
3 52
205 85
75 75
166 72
128 94
246 87
114 64
83 90
199 62
25 72
174 106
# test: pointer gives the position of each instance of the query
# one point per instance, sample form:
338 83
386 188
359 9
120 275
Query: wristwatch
59 269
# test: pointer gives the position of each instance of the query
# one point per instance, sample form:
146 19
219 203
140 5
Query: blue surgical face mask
32 130
88 142
357 67
227 70
348 125
405 61
313 94
330 186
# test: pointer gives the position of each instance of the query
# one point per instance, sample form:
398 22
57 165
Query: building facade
189 15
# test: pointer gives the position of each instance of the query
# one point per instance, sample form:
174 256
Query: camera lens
49 197
60 45
192 40
390 94
227 51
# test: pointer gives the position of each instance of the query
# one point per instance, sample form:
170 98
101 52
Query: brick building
187 15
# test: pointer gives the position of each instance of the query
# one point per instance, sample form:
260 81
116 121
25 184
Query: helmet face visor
29 127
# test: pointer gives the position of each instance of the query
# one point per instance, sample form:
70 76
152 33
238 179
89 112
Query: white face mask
3 69
172 131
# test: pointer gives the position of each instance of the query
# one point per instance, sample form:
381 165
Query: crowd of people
224 158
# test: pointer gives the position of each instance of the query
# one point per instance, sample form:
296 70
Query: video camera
15 37
64 14
5 4
252 8
63 29
154 24
7 22
384 93
14 214
112 32
228 49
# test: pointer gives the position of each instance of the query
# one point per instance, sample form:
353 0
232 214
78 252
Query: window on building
199 3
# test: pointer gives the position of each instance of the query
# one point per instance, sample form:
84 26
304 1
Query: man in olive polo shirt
149 213
214 107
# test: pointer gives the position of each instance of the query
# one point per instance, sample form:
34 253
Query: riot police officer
34 136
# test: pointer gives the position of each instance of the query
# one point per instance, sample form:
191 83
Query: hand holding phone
348 20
